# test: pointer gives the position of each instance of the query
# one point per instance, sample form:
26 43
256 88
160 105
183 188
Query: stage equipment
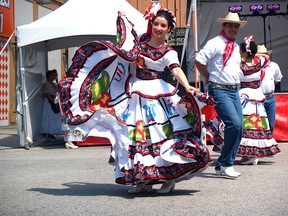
256 9
235 9
257 12
272 8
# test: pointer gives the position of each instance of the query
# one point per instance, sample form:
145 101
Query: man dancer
219 63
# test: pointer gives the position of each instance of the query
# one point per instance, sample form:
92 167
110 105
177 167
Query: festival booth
73 24
276 39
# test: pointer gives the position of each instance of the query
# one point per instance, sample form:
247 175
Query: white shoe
70 146
167 187
140 188
220 172
249 161
228 171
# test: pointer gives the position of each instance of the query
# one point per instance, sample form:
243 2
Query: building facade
7 58
178 7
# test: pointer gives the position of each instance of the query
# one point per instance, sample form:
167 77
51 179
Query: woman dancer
257 138
156 136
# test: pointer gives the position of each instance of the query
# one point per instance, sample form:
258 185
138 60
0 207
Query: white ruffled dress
155 134
257 137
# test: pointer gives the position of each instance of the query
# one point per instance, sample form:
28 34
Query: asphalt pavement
48 180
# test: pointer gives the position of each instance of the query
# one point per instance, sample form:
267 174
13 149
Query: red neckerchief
228 49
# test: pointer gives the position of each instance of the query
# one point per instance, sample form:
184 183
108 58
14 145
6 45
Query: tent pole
23 100
188 26
195 30
4 47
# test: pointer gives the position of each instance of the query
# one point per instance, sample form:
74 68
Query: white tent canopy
71 25
78 19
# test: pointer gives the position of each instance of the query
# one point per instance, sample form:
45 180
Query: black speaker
278 87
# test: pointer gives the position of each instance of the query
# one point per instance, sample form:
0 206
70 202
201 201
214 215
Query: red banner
281 122
7 24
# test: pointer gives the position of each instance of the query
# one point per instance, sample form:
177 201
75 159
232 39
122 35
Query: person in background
272 76
257 140
51 123
219 62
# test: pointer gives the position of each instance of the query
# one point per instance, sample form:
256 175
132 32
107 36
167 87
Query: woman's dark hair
253 48
49 72
167 15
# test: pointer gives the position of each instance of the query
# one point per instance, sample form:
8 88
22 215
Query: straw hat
231 18
261 49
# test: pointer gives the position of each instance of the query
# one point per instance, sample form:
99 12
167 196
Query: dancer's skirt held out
155 134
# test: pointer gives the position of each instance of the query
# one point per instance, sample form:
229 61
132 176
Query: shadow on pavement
10 139
92 189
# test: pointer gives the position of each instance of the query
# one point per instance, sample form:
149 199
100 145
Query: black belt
254 84
217 85
268 94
